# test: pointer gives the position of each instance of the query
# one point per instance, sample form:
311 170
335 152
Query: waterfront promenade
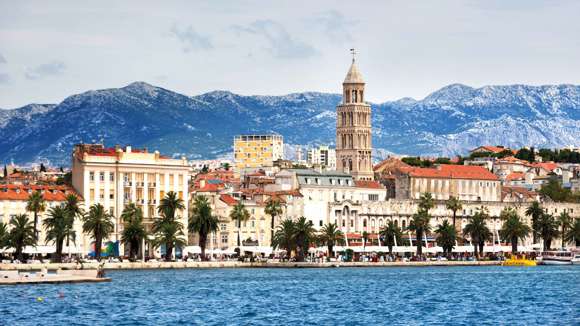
238 264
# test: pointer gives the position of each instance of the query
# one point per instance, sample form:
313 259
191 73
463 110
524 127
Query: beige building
114 177
353 128
470 183
252 152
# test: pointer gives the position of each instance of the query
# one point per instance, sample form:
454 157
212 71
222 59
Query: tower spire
353 52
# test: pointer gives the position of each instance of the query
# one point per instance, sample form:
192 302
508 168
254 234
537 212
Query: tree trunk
390 249
202 243
534 226
481 245
514 245
272 229
419 235
36 235
330 253
454 218
98 242
475 251
58 253
168 251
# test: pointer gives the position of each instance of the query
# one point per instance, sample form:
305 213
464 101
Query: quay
16 276
237 264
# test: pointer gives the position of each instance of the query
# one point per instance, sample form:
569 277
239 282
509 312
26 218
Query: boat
519 262
560 257
576 259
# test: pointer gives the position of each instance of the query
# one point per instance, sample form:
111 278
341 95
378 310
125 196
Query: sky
52 49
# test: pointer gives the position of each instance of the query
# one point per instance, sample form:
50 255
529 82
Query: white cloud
191 39
54 68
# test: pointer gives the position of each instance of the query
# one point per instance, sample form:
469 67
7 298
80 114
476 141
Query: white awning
191 250
257 249
39 250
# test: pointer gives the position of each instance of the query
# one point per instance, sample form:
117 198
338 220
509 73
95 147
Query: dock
14 277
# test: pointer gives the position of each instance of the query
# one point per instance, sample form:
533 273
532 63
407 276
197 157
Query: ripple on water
345 296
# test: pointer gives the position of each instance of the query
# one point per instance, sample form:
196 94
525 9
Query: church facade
353 128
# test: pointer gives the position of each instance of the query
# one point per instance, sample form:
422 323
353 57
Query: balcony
152 184
140 184
152 202
128 183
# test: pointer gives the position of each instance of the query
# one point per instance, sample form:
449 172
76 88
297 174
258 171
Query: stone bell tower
353 127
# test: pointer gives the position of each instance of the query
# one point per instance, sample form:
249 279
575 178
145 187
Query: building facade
252 152
322 156
115 177
353 128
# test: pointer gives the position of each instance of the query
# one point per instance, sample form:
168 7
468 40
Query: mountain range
449 121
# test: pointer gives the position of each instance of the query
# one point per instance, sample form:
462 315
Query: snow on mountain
448 121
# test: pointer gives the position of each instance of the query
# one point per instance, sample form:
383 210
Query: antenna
353 52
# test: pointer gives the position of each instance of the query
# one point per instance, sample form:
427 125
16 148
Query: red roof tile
515 176
21 192
449 171
368 184
231 201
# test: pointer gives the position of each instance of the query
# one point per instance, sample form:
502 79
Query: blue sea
546 295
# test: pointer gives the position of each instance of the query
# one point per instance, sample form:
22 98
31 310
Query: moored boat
556 258
519 262
576 259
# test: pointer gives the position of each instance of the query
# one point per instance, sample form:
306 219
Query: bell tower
353 127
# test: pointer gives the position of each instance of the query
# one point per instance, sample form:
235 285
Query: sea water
547 295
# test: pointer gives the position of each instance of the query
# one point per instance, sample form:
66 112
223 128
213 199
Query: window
224 238
102 176
112 176
373 197
320 223
364 223
92 176
343 224
223 227
352 223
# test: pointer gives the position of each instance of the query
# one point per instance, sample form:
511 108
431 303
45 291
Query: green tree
133 229
330 236
21 235
554 190
202 221
226 166
426 202
391 235
304 235
535 210
239 214
565 222
513 228
36 204
526 154
548 227
59 226
5 172
478 231
419 224
167 226
573 234
446 236
454 204
99 225
273 208
3 235
73 211
285 236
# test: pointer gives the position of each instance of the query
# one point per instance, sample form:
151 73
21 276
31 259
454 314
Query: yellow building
252 152
115 177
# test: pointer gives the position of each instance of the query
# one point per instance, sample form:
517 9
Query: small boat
560 257
519 262
576 259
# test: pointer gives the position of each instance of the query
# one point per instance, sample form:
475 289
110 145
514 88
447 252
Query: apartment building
322 156
252 152
114 177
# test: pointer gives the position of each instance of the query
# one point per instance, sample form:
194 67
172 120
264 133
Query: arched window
396 223
404 223
364 223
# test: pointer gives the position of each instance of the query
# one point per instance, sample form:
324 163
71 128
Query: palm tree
535 210
99 225
392 235
513 228
365 237
426 202
565 222
167 227
284 237
273 208
454 204
446 236
202 221
419 224
73 210
239 214
478 231
548 227
3 235
573 234
304 234
133 231
36 204
169 234
58 228
21 234
330 235
169 205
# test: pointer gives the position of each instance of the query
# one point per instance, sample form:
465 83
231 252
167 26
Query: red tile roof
231 201
515 176
550 166
368 184
22 192
450 171
492 149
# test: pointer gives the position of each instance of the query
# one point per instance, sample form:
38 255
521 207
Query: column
145 195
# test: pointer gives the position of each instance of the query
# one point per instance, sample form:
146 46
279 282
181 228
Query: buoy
40 299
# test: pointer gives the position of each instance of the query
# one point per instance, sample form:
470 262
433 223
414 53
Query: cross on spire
353 52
